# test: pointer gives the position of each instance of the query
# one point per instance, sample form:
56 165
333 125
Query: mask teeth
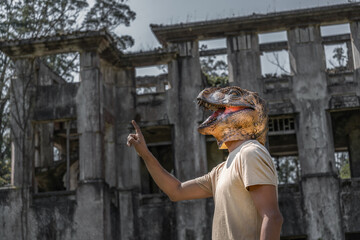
208 106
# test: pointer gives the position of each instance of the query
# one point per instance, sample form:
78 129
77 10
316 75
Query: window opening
159 141
283 148
288 169
152 79
211 44
337 48
343 164
332 30
346 135
337 58
273 37
151 70
65 66
274 57
56 156
213 62
281 125
275 64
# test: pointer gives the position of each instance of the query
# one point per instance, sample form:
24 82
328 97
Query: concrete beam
98 41
150 58
336 39
335 14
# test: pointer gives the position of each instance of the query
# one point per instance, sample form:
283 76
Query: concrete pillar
244 61
354 151
92 211
89 117
189 150
109 109
320 184
92 192
127 161
355 41
21 105
22 102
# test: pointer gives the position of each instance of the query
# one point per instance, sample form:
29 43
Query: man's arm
265 200
170 185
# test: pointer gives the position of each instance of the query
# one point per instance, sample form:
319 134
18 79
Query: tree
342 164
280 65
340 56
215 71
35 18
288 169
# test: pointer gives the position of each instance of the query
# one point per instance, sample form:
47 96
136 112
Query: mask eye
234 92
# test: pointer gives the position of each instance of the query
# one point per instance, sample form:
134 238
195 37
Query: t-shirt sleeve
208 181
257 167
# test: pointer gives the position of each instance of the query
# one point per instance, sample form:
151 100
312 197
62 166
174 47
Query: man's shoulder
250 146
252 149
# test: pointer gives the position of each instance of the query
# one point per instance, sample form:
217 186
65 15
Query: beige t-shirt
235 215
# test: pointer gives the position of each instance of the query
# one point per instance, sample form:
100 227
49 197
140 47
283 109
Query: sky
169 12
175 11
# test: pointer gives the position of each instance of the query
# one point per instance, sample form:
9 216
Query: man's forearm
166 182
271 227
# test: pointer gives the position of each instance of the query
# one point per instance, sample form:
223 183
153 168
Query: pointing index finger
137 129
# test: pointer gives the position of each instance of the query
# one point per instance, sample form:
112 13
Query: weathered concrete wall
320 185
349 196
292 209
157 218
52 217
56 102
13 218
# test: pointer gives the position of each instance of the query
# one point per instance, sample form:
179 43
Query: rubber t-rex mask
238 115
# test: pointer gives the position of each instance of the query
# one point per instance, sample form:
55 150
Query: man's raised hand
137 140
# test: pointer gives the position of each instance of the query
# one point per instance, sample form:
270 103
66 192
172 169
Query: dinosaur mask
238 114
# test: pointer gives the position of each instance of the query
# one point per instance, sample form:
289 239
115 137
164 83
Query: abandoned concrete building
74 178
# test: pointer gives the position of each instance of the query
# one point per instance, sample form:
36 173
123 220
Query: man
244 187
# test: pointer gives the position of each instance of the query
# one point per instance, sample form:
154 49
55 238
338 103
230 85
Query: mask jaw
227 138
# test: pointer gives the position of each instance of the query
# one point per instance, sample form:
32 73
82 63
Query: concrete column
244 61
127 161
354 150
355 41
92 192
21 104
189 150
89 117
109 109
320 184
